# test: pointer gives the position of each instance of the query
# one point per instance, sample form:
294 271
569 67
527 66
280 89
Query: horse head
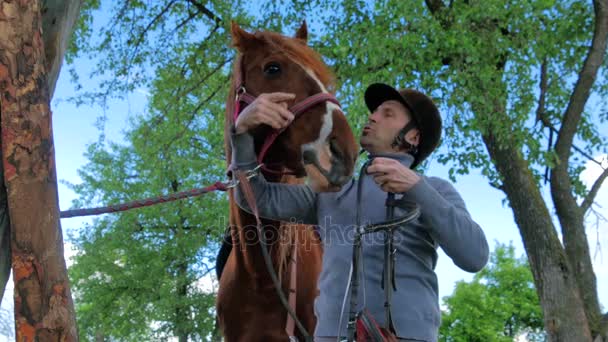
319 143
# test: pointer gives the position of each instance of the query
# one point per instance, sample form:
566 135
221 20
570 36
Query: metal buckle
240 91
233 183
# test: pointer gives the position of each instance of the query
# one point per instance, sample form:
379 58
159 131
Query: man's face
383 125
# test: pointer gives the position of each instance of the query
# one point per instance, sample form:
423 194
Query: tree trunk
571 216
58 21
562 305
43 303
183 311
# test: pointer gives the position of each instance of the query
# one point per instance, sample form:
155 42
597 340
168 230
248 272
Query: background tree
148 264
522 86
499 304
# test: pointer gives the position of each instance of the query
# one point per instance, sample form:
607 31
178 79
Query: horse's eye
272 69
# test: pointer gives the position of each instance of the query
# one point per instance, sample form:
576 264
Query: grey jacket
444 221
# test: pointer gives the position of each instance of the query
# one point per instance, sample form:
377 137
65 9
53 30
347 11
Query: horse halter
243 97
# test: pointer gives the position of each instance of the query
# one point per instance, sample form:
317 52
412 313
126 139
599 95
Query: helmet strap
400 141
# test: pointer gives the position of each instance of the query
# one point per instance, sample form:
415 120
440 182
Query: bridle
243 99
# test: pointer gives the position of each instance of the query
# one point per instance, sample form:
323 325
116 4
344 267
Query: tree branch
540 110
582 89
206 12
594 190
574 147
434 5
142 34
181 92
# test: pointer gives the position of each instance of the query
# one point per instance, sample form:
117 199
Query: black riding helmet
423 110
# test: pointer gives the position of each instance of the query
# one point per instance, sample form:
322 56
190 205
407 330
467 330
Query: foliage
499 304
400 43
143 273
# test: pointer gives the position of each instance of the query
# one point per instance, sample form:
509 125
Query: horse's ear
240 38
302 32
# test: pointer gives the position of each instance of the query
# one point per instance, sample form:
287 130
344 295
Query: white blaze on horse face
320 146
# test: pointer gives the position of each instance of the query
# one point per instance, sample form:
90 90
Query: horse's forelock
301 53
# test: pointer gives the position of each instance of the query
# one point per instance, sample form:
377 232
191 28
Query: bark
43 303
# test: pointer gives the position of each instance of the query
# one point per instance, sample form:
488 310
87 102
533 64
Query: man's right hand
269 109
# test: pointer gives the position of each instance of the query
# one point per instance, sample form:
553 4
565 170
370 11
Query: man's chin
367 146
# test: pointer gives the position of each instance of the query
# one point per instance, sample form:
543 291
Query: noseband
243 99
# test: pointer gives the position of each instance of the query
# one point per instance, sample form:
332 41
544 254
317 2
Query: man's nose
373 117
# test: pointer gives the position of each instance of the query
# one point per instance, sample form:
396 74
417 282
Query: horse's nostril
333 147
308 157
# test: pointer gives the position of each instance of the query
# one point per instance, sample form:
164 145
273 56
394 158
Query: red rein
297 110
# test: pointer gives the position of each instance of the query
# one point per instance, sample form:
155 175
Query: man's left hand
392 176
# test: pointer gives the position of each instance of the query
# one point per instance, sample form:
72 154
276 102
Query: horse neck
280 237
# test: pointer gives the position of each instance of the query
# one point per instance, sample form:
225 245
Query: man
404 127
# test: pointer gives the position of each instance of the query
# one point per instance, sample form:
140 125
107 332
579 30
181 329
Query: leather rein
412 212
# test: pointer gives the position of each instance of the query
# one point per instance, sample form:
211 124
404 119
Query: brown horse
248 306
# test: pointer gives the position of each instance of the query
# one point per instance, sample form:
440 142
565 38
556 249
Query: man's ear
241 39
413 137
302 32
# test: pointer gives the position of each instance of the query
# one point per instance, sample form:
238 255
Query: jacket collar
404 158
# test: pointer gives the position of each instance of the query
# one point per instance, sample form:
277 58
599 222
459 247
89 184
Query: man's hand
392 176
269 109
